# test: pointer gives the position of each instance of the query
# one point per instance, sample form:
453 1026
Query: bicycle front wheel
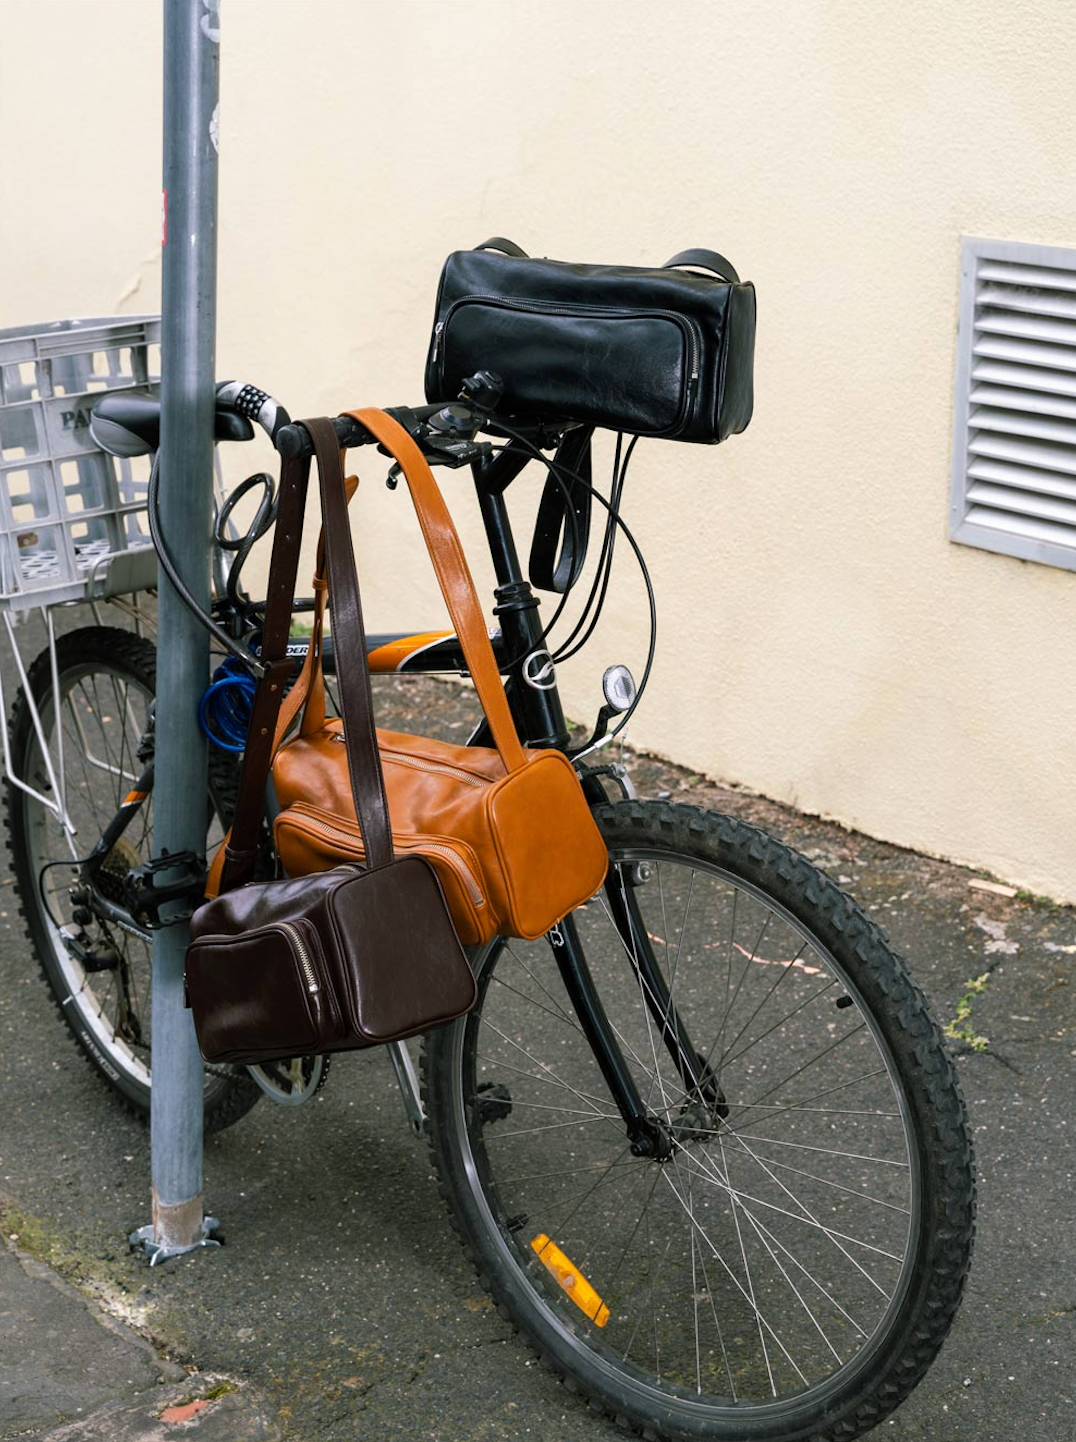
791 1269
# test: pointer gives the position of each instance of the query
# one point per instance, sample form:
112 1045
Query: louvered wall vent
1014 449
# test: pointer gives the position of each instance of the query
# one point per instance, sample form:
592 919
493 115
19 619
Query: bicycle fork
648 1134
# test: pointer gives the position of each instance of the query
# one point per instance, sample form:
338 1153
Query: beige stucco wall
821 640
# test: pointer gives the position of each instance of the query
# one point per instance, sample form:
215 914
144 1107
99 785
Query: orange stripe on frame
393 654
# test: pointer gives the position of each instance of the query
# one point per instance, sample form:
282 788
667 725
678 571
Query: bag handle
562 526
706 260
349 645
239 852
507 247
234 862
309 685
454 578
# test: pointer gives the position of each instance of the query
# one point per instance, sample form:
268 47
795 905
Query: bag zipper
399 758
291 930
458 863
550 308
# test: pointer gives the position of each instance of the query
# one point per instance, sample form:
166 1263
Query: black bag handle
708 260
562 526
508 247
705 259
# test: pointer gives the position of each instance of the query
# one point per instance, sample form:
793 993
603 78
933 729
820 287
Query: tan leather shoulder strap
454 578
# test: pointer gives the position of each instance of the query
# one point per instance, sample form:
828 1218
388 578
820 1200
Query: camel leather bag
355 956
507 829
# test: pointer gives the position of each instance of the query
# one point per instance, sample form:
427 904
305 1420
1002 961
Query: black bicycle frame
530 685
536 707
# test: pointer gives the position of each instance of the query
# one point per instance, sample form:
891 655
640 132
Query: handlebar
445 431
128 423
294 439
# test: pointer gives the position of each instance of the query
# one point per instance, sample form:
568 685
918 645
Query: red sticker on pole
164 217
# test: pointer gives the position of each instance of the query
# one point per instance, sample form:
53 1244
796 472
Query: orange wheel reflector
571 1280
133 796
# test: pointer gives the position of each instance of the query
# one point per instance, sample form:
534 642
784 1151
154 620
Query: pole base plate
157 1252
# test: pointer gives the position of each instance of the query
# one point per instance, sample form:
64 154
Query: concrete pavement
341 1306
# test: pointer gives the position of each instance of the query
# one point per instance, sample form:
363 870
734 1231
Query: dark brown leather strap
241 847
454 578
349 647
349 637
309 686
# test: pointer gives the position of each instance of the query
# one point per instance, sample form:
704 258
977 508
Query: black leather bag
354 956
665 352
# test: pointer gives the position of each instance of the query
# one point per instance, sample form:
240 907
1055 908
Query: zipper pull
438 328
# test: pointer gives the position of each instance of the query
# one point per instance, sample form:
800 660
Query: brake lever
443 452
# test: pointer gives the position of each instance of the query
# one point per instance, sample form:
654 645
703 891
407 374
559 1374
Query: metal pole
191 77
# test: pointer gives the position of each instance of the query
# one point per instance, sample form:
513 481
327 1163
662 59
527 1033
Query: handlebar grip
255 404
293 439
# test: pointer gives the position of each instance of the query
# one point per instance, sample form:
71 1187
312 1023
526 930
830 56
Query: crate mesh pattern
72 518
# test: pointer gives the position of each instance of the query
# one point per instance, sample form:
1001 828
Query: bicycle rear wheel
790 1271
107 680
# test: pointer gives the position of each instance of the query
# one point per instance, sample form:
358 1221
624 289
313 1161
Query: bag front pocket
259 995
631 370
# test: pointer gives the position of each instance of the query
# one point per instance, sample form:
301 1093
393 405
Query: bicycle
703 1143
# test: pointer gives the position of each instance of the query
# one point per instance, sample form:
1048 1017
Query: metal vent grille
1014 450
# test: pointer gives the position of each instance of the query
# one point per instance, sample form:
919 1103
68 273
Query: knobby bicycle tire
792 1270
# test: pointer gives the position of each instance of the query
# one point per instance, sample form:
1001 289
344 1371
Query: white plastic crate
72 518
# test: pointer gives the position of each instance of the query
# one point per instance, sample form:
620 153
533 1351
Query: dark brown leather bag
507 829
351 957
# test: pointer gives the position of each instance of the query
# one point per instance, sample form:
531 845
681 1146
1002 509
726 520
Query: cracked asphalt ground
342 1296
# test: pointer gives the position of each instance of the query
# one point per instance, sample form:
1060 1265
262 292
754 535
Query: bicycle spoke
761 1321
549 1079
694 1290
815 1059
558 1010
99 715
795 1290
803 1220
828 1151
586 1195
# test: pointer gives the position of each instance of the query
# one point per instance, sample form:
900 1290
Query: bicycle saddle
128 423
